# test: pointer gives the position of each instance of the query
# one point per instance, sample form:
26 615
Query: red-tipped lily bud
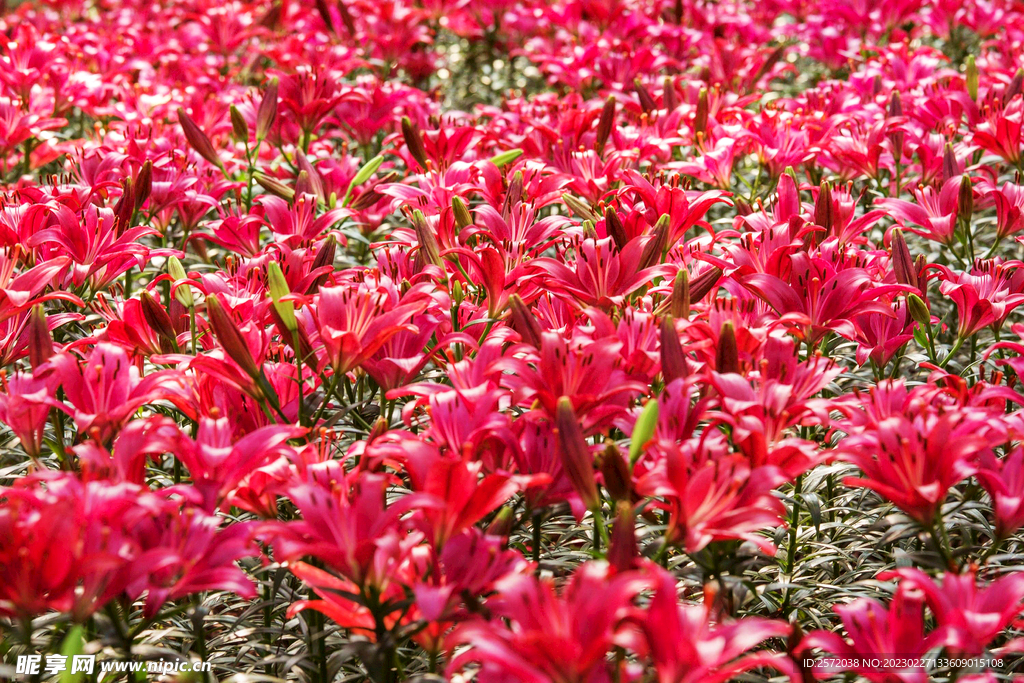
40 343
615 472
414 142
157 318
727 356
673 360
230 337
524 322
623 552
654 250
429 248
823 208
902 263
679 304
700 119
143 184
198 140
613 226
575 453
704 283
1014 88
267 112
646 101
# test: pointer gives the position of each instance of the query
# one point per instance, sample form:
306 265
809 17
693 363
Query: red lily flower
687 648
550 638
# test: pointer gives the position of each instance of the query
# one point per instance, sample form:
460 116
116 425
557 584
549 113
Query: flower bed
515 341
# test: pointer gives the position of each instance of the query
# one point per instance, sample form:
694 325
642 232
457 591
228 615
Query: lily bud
823 208
230 337
506 158
279 289
902 264
414 142
267 112
429 247
623 552
303 186
463 218
971 77
40 343
643 430
324 257
501 525
727 356
605 125
896 137
125 207
919 310
965 201
513 195
575 453
458 296
524 322
274 186
183 293
615 473
950 168
198 140
579 208
668 94
646 101
1014 88
654 250
613 226
673 360
239 128
679 306
314 181
700 120
365 172
701 285
157 318
143 184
